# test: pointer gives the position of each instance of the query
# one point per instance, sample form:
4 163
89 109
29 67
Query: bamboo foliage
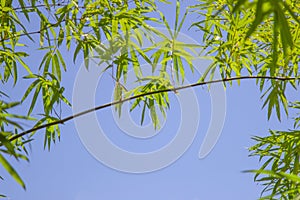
245 39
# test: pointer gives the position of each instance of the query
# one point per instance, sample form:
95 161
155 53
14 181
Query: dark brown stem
62 121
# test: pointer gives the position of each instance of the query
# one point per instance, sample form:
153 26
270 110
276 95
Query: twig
62 121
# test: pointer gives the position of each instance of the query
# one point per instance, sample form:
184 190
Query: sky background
70 172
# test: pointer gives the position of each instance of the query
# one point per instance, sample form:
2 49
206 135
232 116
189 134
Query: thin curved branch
62 121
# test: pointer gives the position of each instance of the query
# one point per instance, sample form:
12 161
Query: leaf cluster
258 38
253 38
9 125
279 173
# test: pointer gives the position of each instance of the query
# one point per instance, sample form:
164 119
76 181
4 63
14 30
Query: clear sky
70 172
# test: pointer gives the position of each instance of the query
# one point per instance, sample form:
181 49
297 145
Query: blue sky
70 172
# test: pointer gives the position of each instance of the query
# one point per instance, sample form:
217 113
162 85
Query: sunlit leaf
11 171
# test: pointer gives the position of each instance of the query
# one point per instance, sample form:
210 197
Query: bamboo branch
62 121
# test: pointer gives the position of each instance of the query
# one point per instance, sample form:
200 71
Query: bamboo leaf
11 171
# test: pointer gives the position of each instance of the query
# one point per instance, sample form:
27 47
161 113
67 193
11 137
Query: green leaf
143 113
61 60
60 36
56 66
177 13
35 95
10 148
86 55
181 24
11 171
30 88
153 114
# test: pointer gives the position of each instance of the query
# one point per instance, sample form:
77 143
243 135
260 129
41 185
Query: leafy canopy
245 39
